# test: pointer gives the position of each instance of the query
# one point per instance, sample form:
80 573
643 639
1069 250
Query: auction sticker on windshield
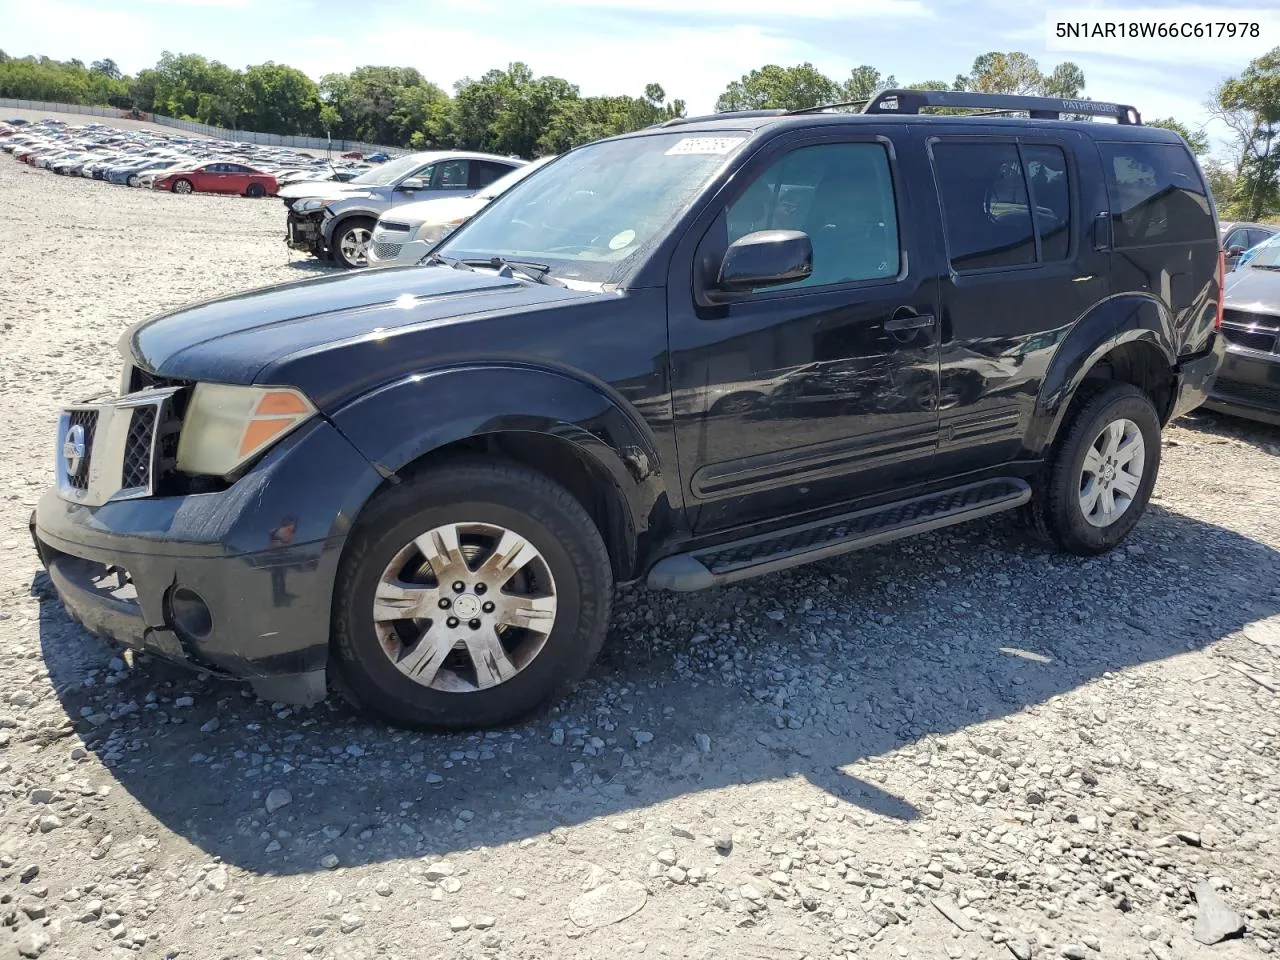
704 145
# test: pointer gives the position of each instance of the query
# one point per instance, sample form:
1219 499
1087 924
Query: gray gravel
957 746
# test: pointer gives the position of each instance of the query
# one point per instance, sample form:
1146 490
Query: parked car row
172 162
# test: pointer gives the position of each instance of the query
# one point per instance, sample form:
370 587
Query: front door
819 391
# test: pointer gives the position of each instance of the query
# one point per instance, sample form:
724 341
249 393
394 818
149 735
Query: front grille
1267 321
1253 339
387 251
394 227
87 420
136 471
1255 393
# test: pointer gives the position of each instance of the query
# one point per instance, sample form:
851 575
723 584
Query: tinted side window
1258 236
841 195
452 174
985 209
1050 189
1156 195
484 172
1236 238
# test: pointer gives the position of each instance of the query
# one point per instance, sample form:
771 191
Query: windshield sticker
623 239
704 145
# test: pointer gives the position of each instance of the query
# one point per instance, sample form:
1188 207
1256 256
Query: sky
693 48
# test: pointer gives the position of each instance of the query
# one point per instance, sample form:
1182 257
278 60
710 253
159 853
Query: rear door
237 178
1020 271
451 177
485 172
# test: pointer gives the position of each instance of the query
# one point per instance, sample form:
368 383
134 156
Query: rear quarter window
1157 196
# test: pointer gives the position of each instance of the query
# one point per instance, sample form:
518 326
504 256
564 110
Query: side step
769 552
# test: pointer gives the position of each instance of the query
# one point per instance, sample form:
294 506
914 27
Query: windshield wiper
447 261
525 269
1263 266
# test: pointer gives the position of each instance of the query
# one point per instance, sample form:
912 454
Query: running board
789 547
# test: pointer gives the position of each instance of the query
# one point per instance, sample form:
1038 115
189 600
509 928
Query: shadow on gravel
1263 436
838 684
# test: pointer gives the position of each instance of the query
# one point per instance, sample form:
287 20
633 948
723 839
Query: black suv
702 352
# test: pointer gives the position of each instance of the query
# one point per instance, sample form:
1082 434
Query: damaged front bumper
305 231
237 582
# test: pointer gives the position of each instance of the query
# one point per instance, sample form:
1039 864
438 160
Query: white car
405 234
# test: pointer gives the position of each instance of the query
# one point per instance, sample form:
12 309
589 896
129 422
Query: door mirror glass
766 258
410 184
1235 251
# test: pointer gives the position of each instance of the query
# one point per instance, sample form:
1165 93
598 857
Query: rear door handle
918 321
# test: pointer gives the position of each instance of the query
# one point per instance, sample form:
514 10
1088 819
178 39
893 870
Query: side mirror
1235 251
766 258
412 183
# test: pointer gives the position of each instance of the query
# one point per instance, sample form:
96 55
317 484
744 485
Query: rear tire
413 649
1100 473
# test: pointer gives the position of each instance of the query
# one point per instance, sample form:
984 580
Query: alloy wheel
464 607
1112 472
355 246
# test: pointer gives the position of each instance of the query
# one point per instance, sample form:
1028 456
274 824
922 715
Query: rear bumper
1196 375
1248 385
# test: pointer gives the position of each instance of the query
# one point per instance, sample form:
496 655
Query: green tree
193 87
1197 139
107 67
278 99
506 111
773 87
379 104
863 82
1017 73
1250 107
574 122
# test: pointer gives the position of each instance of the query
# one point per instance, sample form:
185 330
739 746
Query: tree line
507 111
512 111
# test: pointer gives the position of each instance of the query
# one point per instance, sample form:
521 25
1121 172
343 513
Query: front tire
351 242
255 190
1101 471
182 186
468 595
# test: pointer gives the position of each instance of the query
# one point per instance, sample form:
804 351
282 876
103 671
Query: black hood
336 335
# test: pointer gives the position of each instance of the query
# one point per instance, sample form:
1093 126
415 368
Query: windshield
597 206
506 182
1267 255
389 172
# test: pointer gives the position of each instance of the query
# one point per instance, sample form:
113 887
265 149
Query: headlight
311 204
435 232
227 426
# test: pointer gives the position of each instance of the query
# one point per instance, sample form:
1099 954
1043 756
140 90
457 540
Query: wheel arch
331 226
568 429
1127 339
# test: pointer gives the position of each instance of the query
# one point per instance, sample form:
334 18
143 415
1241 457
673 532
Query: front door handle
917 321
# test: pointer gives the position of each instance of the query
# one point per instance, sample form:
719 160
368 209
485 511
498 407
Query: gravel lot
956 746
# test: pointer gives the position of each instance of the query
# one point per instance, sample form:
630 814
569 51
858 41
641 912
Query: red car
219 177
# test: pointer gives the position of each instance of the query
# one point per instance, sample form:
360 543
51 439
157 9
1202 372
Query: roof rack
727 115
1038 108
